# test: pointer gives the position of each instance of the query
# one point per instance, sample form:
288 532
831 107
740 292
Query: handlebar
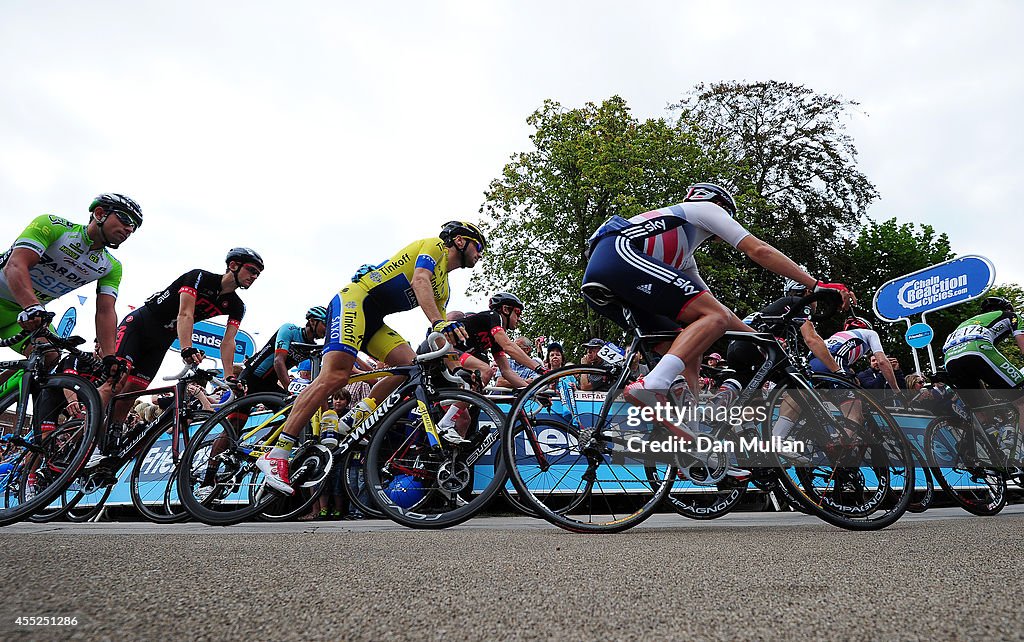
198 373
436 339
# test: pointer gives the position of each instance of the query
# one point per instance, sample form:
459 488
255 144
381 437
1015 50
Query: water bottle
329 429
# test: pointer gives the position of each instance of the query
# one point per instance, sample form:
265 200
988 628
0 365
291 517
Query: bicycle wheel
854 474
218 482
696 494
420 484
922 498
963 461
62 440
34 471
153 481
286 508
576 463
353 468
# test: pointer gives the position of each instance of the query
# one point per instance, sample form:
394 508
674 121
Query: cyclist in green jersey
54 256
417 276
971 356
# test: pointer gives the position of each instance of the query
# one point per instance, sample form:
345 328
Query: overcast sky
329 134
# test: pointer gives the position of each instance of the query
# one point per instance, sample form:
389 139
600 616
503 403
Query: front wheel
578 459
34 471
964 462
420 483
154 476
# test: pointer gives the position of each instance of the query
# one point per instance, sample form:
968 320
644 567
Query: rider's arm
106 323
887 372
424 292
227 347
817 346
507 373
512 349
17 274
186 318
773 260
281 367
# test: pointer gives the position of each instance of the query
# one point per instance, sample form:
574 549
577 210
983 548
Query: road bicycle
852 474
43 443
416 478
974 451
151 448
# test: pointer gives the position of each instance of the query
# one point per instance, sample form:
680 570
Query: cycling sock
449 417
782 427
664 373
283 447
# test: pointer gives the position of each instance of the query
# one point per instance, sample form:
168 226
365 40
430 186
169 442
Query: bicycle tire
235 470
956 465
353 467
15 504
921 500
63 437
830 491
612 490
157 502
402 433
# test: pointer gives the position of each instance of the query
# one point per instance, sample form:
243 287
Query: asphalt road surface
940 575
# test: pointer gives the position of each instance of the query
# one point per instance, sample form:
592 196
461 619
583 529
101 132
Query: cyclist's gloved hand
32 317
191 356
363 271
848 296
114 367
454 330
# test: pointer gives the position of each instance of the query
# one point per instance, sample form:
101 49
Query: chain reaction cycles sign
934 288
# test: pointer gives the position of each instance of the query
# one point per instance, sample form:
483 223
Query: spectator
332 503
872 378
555 356
594 383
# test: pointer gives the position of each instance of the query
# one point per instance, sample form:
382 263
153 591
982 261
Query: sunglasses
252 270
128 220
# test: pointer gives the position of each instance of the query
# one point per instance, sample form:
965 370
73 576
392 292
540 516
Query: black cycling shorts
143 341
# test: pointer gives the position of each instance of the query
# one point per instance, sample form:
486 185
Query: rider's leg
334 373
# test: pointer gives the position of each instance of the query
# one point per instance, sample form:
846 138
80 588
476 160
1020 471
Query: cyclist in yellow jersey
417 276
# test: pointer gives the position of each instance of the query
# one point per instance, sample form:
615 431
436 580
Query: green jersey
65 261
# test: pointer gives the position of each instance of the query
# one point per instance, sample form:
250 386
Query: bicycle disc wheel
857 475
421 484
218 466
963 461
573 458
353 468
153 480
35 471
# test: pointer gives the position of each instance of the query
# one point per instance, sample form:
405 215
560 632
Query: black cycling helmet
317 312
244 255
127 210
451 229
554 345
713 193
993 303
857 322
505 298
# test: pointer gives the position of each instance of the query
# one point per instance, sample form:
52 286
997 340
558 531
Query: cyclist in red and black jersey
486 334
146 334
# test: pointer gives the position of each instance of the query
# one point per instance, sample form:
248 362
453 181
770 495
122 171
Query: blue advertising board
934 288
919 335
67 323
206 336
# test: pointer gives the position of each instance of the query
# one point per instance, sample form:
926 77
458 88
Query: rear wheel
353 468
421 484
154 476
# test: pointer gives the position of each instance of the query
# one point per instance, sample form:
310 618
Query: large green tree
795 171
586 164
